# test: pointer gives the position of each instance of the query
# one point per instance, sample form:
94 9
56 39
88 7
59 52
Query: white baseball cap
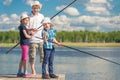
36 3
46 20
24 16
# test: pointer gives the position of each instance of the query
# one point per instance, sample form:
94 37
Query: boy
49 49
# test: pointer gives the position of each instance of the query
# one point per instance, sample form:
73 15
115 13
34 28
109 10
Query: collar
33 14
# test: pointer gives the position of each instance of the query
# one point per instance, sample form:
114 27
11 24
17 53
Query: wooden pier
37 77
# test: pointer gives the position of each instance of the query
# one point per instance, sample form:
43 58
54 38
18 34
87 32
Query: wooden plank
37 77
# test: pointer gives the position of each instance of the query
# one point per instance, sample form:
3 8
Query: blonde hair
36 6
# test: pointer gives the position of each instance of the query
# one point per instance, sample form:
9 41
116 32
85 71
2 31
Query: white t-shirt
36 22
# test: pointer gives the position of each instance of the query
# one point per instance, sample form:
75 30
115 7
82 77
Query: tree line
68 36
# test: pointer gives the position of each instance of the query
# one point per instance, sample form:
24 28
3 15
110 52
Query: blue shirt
50 38
23 39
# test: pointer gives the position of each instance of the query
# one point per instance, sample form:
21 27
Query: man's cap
36 3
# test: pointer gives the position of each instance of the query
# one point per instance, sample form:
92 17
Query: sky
92 15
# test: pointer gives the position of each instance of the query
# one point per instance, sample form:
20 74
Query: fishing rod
12 48
92 55
63 9
41 25
85 52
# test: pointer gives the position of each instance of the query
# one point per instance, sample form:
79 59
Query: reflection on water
75 65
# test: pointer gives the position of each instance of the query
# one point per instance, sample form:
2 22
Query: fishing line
41 25
86 53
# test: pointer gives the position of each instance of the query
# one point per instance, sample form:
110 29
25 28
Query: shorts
32 51
24 56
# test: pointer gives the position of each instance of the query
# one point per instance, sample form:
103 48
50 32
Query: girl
24 41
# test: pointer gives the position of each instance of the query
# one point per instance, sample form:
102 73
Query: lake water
75 65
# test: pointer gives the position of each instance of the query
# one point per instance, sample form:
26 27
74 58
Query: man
35 43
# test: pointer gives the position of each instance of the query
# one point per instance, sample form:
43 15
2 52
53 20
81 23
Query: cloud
98 10
70 10
99 7
7 2
14 17
98 1
96 28
65 23
9 22
4 19
93 23
28 1
61 20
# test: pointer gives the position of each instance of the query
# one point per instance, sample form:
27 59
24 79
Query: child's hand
31 33
60 44
34 29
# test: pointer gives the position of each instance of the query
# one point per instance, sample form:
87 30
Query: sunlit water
75 65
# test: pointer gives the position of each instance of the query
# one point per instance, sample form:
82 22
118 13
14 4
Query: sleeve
44 31
54 32
22 27
43 34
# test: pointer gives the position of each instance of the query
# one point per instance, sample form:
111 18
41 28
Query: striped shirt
50 38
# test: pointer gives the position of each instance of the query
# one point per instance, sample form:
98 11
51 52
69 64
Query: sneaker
53 76
45 77
27 75
20 74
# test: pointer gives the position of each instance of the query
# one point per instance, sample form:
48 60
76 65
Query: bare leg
33 68
25 66
20 67
21 64
32 55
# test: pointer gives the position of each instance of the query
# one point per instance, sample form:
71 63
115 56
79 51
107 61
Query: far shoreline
73 44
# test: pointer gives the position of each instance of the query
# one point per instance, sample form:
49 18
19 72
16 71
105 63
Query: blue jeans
48 59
